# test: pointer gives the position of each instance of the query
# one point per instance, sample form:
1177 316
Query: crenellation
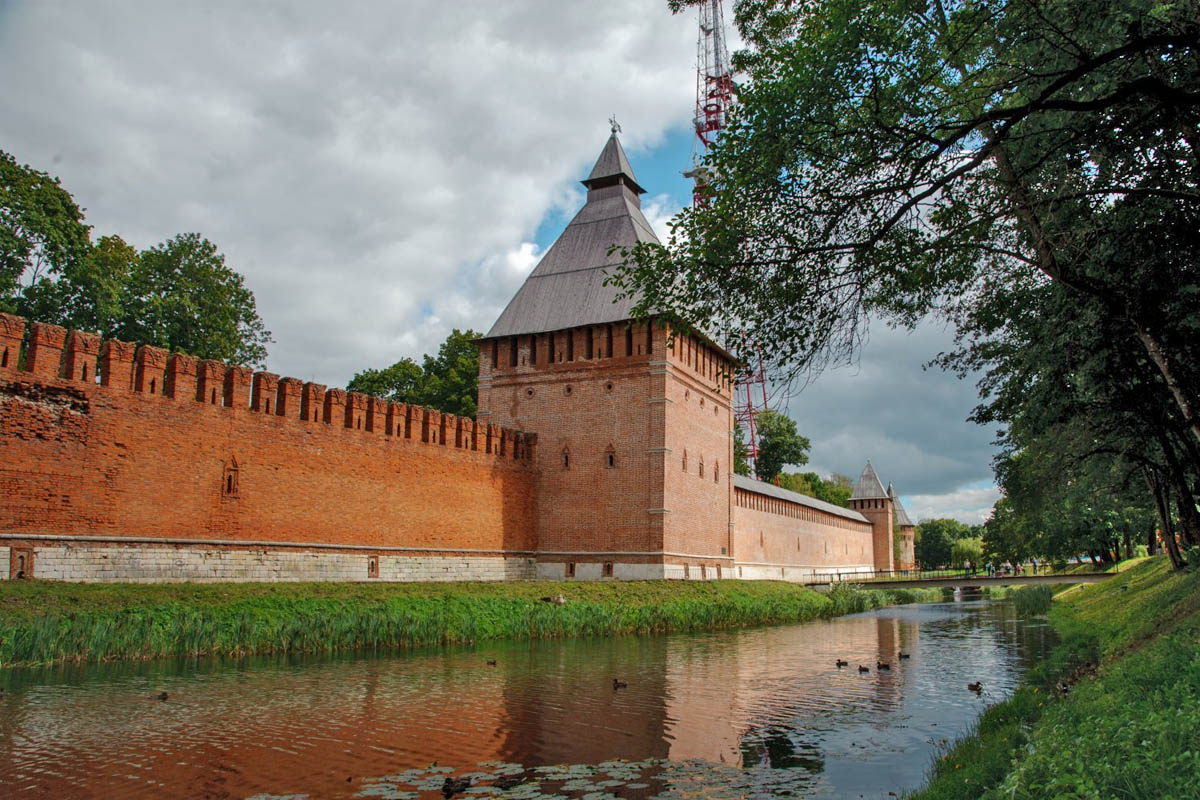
12 333
210 382
83 351
312 402
376 415
116 365
287 397
44 356
264 392
180 380
150 365
334 407
237 387
356 411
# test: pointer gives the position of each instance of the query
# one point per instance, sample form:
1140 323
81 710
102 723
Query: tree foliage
1028 170
935 538
835 490
178 295
448 381
778 444
969 548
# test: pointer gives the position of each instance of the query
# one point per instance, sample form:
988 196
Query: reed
44 622
1031 600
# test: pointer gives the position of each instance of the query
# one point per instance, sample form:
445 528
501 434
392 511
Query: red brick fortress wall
780 540
166 450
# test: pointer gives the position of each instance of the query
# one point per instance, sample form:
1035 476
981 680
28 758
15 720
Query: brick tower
905 530
872 501
634 446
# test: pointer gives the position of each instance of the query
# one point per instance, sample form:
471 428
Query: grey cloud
910 422
368 167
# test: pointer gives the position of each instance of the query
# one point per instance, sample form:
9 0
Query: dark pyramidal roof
899 515
869 486
566 288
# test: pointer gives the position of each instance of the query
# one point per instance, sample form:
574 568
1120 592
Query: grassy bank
47 622
1128 725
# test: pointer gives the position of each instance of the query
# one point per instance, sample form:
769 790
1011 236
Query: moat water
746 713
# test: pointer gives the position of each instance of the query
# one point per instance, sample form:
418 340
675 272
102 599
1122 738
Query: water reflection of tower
562 708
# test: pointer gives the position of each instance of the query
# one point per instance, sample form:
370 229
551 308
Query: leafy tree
741 453
448 381
180 295
935 538
42 232
836 490
969 548
905 158
778 444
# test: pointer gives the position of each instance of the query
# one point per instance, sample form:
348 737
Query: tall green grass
42 622
1130 729
1030 600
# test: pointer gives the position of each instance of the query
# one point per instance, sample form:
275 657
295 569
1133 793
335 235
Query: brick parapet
127 368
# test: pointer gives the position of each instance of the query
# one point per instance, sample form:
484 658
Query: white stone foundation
143 563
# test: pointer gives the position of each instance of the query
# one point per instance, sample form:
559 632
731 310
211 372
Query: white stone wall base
798 574
91 563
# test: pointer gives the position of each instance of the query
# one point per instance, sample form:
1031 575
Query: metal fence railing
867 576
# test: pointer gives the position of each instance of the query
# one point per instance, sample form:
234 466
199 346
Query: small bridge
901 579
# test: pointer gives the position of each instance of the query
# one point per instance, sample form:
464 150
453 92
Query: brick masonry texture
600 452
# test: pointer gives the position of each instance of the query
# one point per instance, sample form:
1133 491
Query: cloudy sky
382 172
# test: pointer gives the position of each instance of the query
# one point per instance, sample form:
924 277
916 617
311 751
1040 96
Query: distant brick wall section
780 540
168 447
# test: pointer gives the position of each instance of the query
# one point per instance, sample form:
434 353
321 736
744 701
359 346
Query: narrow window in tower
495 353
213 399
628 340
589 344
570 569
685 460
570 345
717 472
608 341
610 456
649 337
608 569
512 351
533 350
566 458
83 375
152 386
4 358
701 467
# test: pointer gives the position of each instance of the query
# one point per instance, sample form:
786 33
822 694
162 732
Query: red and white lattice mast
714 99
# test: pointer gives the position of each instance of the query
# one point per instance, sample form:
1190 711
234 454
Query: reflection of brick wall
170 449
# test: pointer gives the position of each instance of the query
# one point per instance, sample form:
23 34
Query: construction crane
714 100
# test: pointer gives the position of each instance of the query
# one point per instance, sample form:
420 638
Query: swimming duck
861 668
618 684
841 663
975 687
491 662
882 665
903 656
161 696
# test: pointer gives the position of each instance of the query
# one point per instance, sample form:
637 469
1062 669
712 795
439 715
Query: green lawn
1129 726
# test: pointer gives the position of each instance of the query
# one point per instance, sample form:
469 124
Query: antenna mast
714 99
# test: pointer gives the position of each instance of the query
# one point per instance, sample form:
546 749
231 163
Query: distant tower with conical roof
906 532
634 426
870 499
